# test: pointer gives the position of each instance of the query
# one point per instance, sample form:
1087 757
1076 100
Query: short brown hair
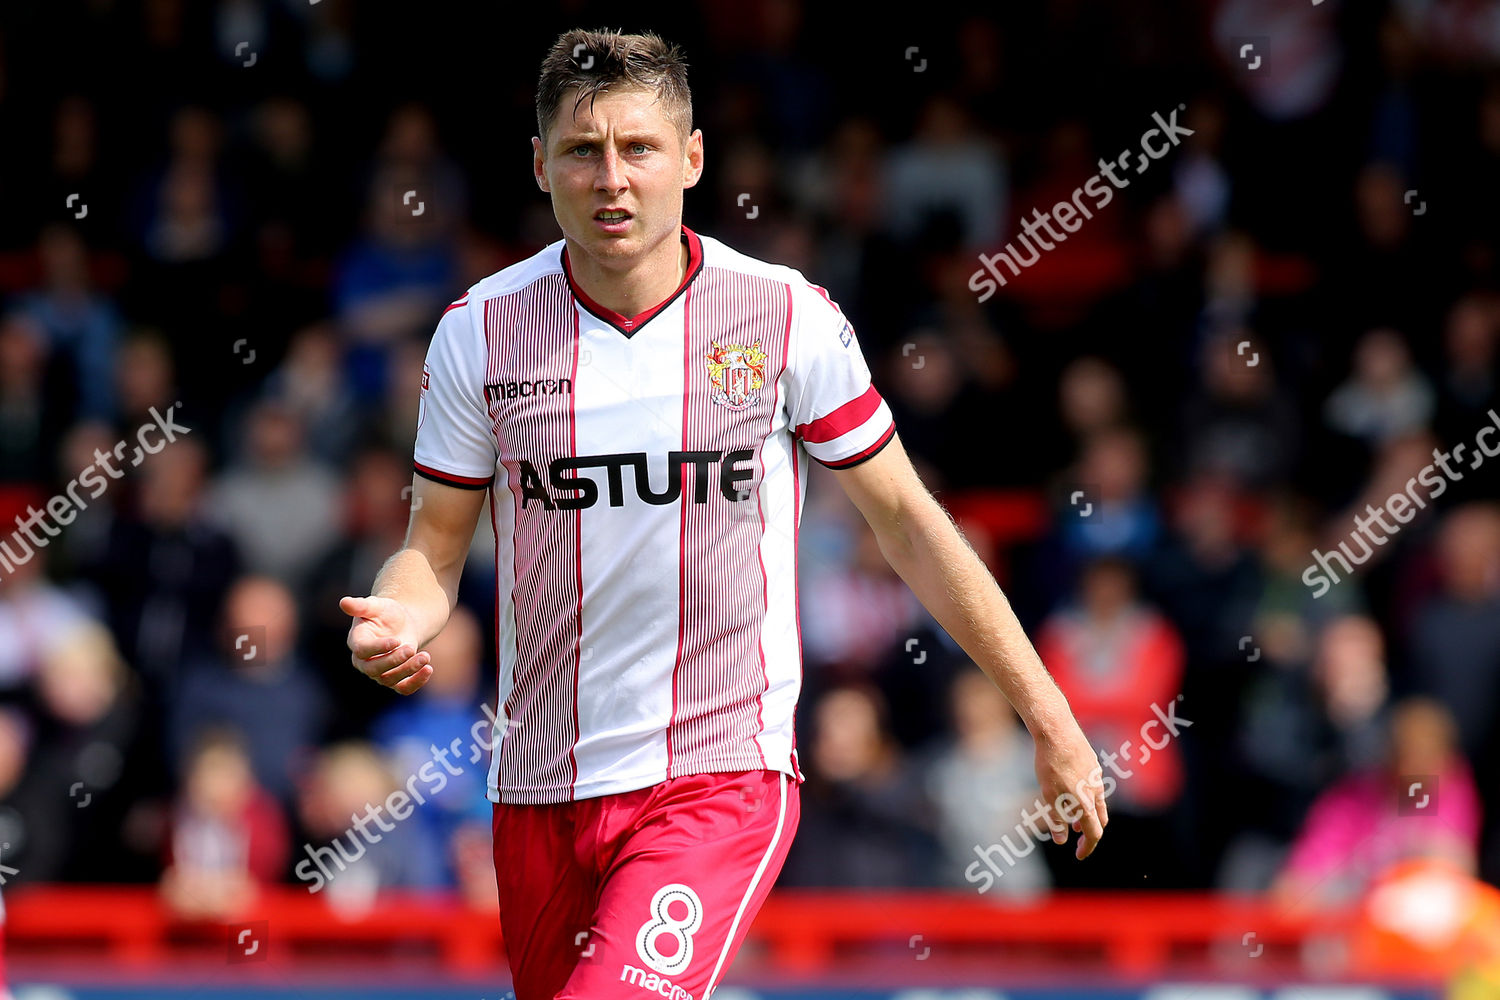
613 59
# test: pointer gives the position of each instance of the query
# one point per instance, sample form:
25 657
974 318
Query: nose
609 176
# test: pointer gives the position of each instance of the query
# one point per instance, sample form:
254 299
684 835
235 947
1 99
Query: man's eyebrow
579 138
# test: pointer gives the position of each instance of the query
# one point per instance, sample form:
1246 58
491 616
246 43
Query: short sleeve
455 445
835 409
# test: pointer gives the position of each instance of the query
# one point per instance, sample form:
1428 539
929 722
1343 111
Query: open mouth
612 215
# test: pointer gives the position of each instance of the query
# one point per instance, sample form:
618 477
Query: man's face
619 151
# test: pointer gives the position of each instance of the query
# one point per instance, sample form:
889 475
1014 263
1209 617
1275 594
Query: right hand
1065 763
382 646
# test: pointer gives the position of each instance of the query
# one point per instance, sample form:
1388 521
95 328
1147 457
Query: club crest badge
737 374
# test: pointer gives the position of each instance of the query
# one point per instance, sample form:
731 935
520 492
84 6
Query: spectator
1385 272
1298 84
864 608
1421 802
1471 367
842 189
164 617
1201 180
185 226
344 781
74 165
1352 681
289 180
277 502
1455 653
1469 387
1303 728
228 836
83 546
82 326
947 167
396 278
865 817
945 386
1384 396
37 402
1204 574
981 781
1287 616
256 683
89 740
1230 296
1239 422
1399 573
310 382
145 376
1455 645
925 385
187 209
33 610
1114 657
1091 399
1116 515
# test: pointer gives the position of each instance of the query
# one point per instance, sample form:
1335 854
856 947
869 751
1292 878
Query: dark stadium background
1146 434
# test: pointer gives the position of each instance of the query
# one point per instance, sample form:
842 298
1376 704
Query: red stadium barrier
797 931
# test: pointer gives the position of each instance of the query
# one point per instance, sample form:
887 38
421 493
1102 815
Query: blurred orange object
1427 916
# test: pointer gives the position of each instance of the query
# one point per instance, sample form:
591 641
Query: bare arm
923 545
416 589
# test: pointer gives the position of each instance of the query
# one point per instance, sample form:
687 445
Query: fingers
403 670
374 654
412 664
415 681
388 662
1057 826
1092 829
356 607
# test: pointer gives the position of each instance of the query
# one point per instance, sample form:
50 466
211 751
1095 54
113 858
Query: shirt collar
628 325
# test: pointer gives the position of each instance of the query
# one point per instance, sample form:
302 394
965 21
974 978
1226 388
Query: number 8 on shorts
663 924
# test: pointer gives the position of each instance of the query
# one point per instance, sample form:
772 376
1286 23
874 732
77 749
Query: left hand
1067 765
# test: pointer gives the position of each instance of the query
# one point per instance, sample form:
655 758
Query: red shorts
648 892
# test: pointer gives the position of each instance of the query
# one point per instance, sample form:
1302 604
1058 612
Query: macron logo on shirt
535 387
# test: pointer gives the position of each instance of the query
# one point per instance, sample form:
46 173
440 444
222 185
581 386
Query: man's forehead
625 108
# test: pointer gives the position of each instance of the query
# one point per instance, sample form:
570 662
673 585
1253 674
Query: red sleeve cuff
867 454
449 479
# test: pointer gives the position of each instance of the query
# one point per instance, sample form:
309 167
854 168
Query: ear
539 163
692 155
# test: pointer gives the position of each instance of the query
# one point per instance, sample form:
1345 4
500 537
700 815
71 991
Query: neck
638 286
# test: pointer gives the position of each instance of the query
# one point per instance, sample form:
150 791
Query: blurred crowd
254 211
